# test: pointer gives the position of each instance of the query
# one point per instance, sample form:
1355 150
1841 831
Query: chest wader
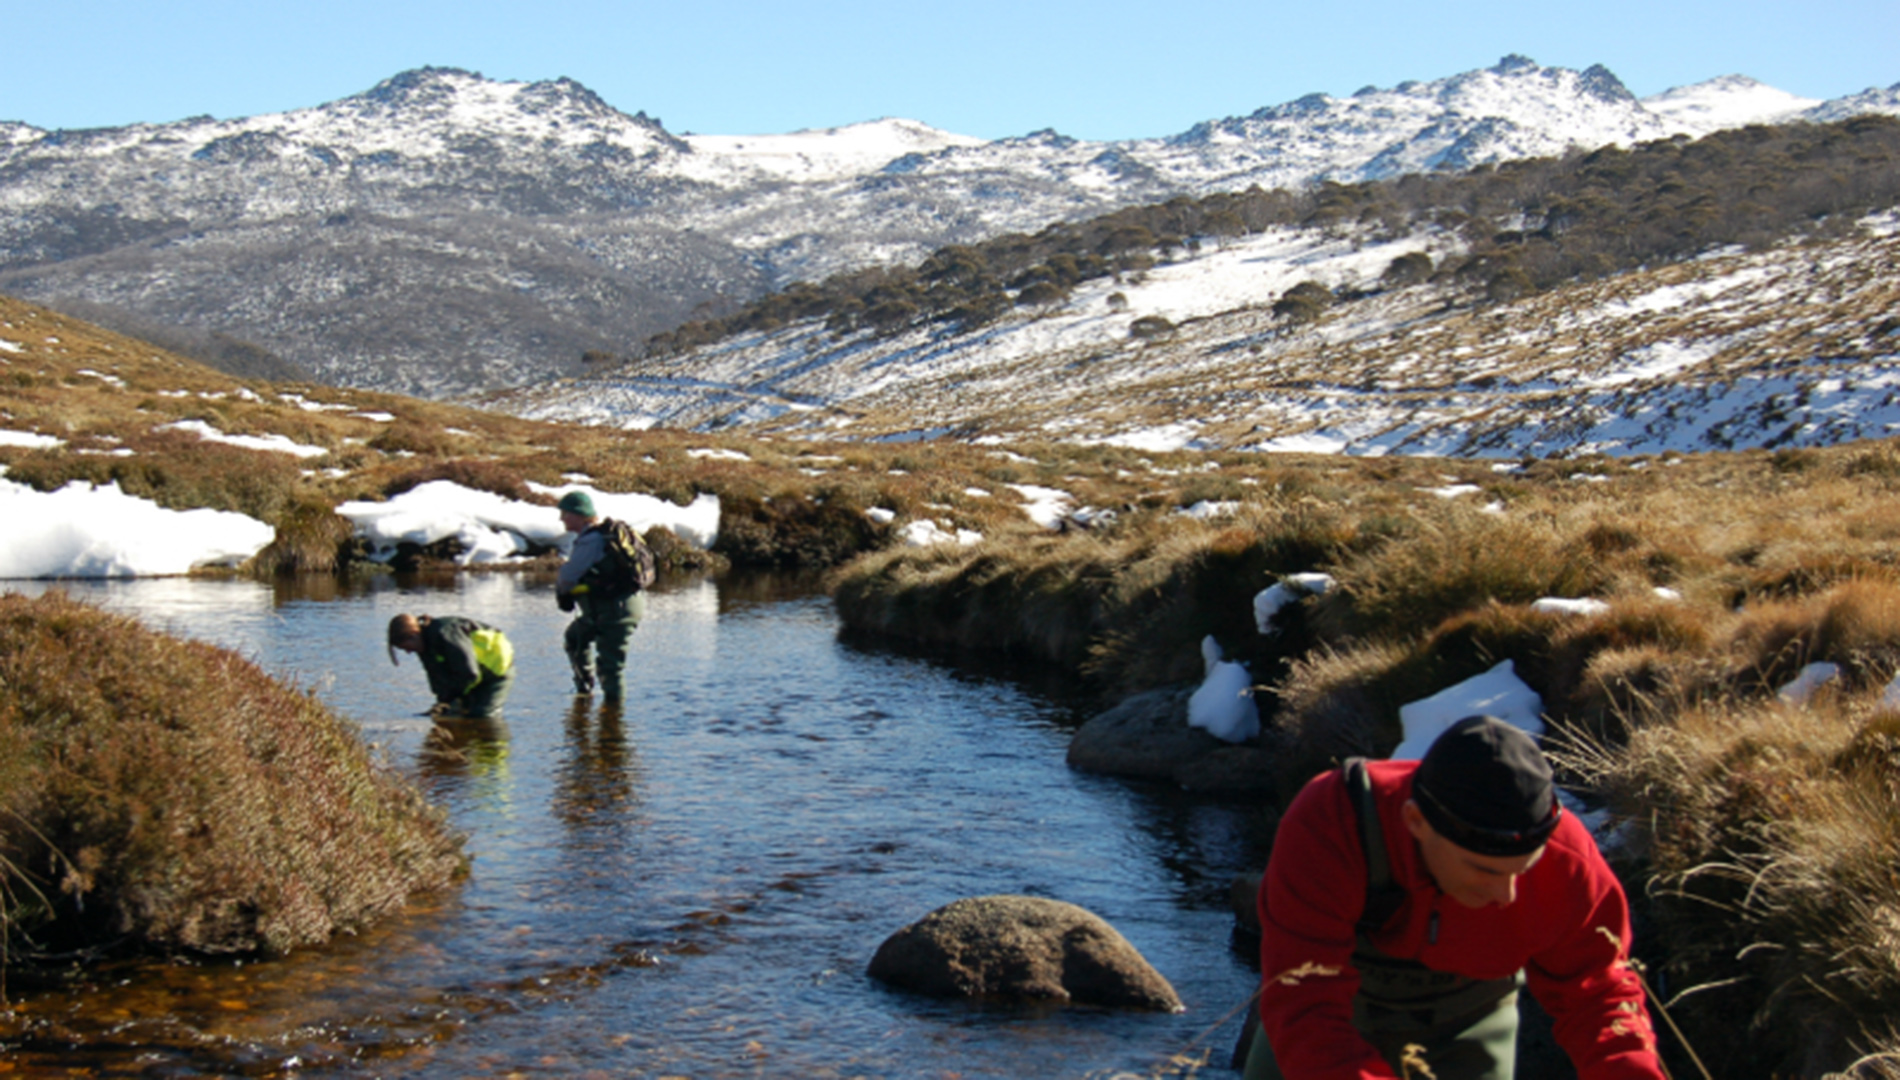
1466 1027
603 626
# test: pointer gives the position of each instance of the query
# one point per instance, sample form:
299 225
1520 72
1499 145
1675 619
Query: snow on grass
1678 358
1498 693
30 440
489 527
300 401
924 532
1044 505
275 443
696 523
83 531
1268 602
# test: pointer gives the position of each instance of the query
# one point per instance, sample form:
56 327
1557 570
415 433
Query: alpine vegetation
169 795
1676 296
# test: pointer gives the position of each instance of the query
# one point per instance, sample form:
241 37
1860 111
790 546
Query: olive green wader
603 624
1464 1028
484 701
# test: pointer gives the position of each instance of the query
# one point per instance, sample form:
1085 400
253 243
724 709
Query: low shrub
673 555
311 538
423 440
169 795
793 533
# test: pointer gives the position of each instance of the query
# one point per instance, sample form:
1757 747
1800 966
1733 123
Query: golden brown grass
1766 828
1768 837
1772 829
786 505
163 794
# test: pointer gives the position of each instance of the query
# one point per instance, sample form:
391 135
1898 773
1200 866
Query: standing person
1406 902
470 664
609 606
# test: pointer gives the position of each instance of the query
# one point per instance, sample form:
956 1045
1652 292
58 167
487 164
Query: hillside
1699 599
442 233
1489 316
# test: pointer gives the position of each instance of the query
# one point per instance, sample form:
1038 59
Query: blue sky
1102 69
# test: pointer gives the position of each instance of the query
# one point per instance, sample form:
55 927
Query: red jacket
1568 930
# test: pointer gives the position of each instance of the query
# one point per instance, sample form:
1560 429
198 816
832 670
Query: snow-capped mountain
443 232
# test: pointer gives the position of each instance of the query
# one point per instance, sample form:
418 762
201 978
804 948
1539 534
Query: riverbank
169 796
1714 640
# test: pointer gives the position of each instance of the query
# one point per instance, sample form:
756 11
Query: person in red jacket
1405 903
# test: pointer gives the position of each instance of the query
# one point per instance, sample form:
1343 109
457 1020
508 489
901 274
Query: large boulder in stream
1022 948
1147 737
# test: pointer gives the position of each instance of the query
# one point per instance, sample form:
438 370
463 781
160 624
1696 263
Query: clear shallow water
692 888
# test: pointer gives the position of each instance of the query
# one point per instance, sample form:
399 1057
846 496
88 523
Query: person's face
411 643
1474 880
573 522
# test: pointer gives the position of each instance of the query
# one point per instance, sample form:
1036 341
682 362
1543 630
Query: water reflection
470 754
598 779
692 886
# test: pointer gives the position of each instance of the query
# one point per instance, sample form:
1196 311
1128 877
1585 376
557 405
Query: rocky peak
1601 83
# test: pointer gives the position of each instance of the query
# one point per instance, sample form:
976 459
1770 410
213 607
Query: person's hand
564 601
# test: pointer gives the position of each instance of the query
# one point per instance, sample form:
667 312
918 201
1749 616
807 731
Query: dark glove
564 601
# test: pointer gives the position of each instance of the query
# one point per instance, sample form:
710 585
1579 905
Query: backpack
1384 896
626 564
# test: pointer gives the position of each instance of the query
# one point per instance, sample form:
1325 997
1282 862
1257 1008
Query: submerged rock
1147 737
1021 948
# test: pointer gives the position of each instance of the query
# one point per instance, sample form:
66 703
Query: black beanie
1485 786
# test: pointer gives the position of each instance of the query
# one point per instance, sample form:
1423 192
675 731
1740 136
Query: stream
693 887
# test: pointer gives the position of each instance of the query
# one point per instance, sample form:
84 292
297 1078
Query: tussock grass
1766 831
164 794
311 538
1451 562
1768 836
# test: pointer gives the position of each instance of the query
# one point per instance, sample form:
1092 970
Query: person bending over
1405 903
469 664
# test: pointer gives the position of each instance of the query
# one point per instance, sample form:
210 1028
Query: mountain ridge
442 233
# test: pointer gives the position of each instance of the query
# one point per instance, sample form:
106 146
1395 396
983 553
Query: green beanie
576 502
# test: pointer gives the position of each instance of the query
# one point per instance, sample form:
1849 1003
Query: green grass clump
160 794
